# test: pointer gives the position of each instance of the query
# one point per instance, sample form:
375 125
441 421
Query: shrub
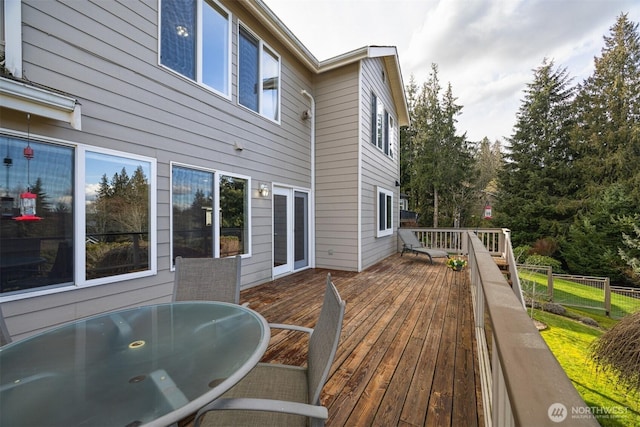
521 253
546 246
554 308
589 321
556 266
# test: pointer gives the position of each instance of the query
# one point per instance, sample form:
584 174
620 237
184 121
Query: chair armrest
268 405
291 327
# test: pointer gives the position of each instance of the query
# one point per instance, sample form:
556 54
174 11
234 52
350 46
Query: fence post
550 283
607 297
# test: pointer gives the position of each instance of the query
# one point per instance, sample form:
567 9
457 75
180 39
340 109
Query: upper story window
382 127
195 41
2 25
258 76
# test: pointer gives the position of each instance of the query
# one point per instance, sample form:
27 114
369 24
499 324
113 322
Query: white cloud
487 49
91 191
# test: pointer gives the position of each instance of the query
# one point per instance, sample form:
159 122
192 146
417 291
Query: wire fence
540 285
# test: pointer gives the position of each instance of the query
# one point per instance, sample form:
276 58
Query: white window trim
261 46
198 79
80 223
80 220
216 207
388 127
386 231
13 37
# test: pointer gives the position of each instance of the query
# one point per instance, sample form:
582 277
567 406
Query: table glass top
130 367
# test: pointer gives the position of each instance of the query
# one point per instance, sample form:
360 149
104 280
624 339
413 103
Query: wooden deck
407 352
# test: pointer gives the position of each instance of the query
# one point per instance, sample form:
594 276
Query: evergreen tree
608 109
488 164
536 184
595 237
440 159
407 147
607 139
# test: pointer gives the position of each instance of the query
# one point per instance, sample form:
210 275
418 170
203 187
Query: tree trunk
435 208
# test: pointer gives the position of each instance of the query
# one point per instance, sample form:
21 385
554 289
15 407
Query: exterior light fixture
263 190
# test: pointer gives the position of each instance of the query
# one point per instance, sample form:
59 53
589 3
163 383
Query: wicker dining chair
284 395
207 279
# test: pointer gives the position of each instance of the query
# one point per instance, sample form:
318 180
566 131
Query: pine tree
536 184
607 140
608 108
441 159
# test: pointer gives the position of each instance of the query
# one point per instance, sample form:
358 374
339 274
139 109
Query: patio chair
5 338
207 279
410 243
284 395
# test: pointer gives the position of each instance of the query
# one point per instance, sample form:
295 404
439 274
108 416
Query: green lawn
569 341
567 292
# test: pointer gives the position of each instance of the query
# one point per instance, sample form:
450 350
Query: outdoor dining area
392 345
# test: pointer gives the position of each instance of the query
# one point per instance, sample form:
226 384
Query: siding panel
105 54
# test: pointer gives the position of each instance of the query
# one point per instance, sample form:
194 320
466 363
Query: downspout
312 208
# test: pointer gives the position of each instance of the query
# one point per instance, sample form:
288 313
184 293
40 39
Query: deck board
407 352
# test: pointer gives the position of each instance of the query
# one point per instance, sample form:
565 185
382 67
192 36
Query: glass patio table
151 365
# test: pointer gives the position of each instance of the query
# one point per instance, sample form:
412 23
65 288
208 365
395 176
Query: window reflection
35 254
195 216
270 84
117 196
192 213
233 214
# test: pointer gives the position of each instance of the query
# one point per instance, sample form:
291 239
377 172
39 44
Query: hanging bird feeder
28 199
27 207
487 211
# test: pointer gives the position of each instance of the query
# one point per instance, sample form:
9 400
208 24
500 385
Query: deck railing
522 382
452 239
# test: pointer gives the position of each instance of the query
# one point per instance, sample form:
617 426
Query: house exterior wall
377 168
105 54
337 160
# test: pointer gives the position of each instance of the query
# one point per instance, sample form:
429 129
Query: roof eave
389 54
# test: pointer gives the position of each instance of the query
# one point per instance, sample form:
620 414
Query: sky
486 49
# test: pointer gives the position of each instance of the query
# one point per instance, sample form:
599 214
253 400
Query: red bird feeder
27 207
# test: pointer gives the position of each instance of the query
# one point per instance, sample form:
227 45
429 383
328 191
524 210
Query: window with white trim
119 214
88 225
258 76
384 212
382 127
210 213
195 37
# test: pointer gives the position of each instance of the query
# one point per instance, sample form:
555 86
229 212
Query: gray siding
106 55
337 169
378 169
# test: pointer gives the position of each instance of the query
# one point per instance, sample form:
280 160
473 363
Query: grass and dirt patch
570 341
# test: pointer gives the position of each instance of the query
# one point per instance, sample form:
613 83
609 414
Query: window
385 212
391 137
258 76
382 127
210 213
11 36
195 41
118 214
89 224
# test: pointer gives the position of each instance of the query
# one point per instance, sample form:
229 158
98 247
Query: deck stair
504 268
